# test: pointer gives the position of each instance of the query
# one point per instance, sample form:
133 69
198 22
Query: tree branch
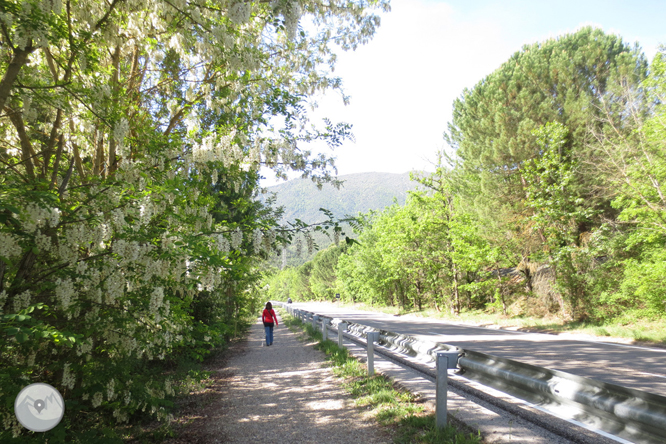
20 58
26 146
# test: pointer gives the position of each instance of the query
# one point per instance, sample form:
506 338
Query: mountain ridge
360 193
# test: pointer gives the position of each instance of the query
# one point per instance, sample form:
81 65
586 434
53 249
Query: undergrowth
389 405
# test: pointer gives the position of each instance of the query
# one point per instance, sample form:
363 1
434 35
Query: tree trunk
456 293
20 59
27 153
501 289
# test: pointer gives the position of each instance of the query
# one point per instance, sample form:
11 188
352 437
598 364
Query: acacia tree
117 120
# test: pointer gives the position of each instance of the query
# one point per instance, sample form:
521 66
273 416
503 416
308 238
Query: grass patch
391 407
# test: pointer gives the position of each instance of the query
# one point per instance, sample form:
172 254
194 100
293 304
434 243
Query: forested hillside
359 193
302 199
550 201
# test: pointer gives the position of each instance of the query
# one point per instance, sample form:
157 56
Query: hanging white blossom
257 240
239 11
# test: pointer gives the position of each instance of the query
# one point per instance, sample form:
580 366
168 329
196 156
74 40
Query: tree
558 210
563 80
132 137
323 279
633 161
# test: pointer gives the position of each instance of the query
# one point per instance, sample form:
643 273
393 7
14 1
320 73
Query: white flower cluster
168 388
221 151
236 238
97 399
43 242
120 415
85 347
291 11
257 240
209 279
239 12
110 389
299 247
269 240
9 246
156 299
130 252
29 112
222 243
310 242
68 378
65 292
33 217
22 301
147 210
157 268
114 287
3 299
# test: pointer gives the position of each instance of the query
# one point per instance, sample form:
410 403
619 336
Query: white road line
652 374
658 350
592 341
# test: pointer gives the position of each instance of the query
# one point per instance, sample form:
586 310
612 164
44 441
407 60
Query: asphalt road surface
638 367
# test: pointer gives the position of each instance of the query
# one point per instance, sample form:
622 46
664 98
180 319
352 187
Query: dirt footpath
277 394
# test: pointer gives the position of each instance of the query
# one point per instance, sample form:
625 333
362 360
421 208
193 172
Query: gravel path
281 394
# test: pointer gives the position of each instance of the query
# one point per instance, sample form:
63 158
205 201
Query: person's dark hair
269 306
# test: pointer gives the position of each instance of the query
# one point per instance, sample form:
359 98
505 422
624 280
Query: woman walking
268 317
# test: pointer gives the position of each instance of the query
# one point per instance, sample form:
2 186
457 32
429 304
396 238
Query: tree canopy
133 133
551 202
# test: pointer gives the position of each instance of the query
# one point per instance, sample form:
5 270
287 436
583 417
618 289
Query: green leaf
22 337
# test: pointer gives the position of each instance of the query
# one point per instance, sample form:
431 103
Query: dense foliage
552 202
132 137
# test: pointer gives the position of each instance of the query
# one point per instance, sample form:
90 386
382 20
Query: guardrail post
372 337
324 329
315 320
342 326
441 389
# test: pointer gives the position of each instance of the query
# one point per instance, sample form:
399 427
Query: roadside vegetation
400 410
547 211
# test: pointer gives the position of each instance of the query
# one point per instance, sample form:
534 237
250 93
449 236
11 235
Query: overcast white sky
403 83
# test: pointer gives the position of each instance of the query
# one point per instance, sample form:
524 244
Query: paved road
642 368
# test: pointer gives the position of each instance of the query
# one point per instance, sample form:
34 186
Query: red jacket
268 316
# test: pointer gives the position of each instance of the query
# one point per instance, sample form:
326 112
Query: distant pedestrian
268 317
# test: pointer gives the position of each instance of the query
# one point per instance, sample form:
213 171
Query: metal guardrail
634 415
